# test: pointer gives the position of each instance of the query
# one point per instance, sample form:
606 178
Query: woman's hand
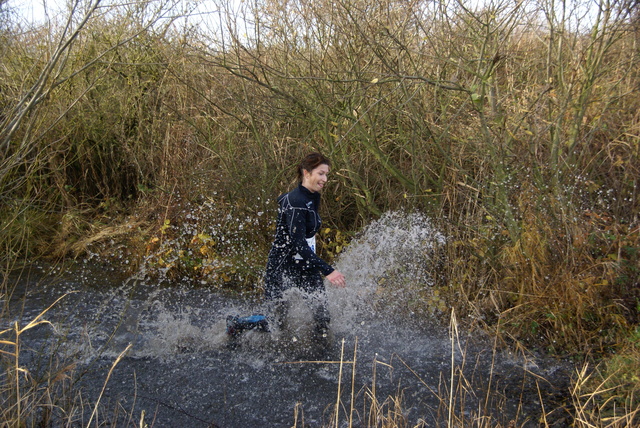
337 279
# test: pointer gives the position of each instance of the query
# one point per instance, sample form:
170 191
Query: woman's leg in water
277 307
316 296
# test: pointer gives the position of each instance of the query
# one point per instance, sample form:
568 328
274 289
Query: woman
292 260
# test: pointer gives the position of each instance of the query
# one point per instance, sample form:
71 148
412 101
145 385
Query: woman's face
316 179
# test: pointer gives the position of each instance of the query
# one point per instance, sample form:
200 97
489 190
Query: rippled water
182 371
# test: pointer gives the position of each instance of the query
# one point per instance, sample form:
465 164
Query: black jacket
298 220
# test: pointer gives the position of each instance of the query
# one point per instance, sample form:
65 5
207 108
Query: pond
160 354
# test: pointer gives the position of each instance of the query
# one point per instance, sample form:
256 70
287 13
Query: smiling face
315 179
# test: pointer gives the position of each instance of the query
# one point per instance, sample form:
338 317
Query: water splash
396 243
391 251
206 245
387 264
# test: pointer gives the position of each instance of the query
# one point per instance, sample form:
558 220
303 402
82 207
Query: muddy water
181 370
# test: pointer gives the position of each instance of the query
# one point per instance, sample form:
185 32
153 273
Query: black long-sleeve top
298 220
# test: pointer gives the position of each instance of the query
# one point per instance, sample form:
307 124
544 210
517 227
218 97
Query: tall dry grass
466 396
50 398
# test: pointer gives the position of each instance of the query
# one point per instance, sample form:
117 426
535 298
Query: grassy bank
514 127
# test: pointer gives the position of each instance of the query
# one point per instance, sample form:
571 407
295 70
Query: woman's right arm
337 279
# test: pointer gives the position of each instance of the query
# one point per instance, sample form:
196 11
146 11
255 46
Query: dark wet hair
311 162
